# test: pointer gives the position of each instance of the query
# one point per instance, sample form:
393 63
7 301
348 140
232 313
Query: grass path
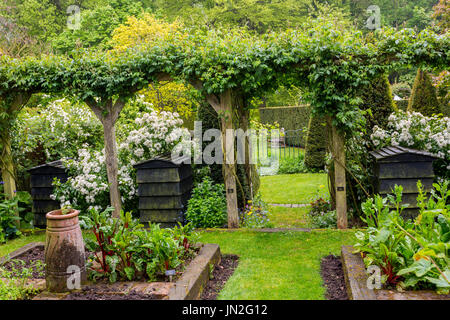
289 217
282 265
291 188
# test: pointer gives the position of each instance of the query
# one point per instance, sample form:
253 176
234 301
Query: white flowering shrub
52 131
58 129
413 130
150 134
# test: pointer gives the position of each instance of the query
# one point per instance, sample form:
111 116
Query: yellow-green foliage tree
166 95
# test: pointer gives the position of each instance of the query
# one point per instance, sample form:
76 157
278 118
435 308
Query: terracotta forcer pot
64 248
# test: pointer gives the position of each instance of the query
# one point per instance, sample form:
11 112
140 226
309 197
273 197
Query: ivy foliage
332 62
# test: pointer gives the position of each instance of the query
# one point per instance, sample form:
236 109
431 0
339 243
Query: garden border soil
190 286
220 275
356 282
333 277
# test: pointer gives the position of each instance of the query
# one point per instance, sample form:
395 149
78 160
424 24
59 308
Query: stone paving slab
290 205
267 230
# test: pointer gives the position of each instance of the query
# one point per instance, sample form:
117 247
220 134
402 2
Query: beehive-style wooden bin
403 166
164 188
41 188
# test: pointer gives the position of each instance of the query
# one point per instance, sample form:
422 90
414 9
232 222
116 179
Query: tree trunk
330 175
7 163
108 120
244 116
338 149
112 165
7 167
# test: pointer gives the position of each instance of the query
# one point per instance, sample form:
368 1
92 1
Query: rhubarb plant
412 254
125 250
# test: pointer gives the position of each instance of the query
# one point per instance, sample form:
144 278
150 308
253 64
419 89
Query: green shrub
401 89
289 118
423 98
207 207
54 130
293 165
8 219
255 214
377 100
321 214
402 104
316 142
327 220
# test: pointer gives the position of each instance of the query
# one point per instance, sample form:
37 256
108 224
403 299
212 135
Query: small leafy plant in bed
125 250
14 277
412 254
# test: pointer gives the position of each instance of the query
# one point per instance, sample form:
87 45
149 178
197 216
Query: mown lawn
15 244
292 188
283 266
289 217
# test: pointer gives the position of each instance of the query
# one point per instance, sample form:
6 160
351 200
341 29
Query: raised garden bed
220 275
356 283
188 286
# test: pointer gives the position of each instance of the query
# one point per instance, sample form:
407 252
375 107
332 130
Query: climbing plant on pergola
332 63
227 66
19 79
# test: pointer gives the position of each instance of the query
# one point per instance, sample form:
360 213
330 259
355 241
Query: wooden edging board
196 276
357 287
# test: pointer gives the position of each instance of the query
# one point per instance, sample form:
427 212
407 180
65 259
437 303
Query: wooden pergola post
7 163
224 109
9 182
108 116
338 153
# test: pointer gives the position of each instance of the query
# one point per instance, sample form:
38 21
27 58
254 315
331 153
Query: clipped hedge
210 120
423 97
316 138
289 118
377 97
403 105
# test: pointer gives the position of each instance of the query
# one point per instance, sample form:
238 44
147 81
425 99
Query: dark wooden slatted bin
403 166
164 188
41 188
